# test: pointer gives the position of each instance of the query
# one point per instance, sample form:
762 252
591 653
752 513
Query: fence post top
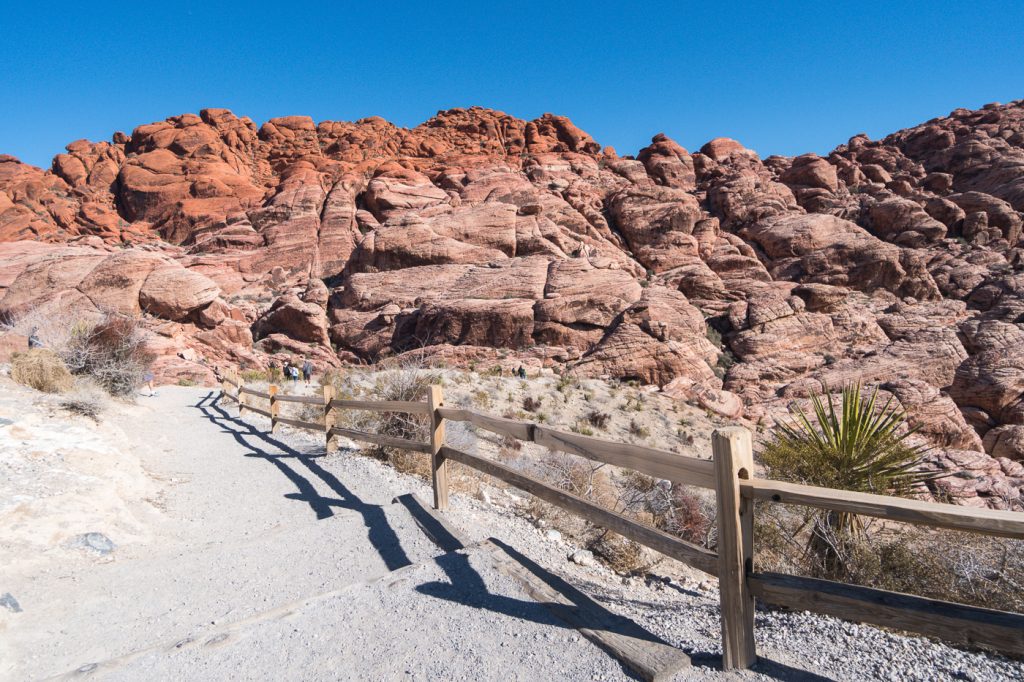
732 433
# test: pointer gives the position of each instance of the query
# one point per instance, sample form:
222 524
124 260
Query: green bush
859 447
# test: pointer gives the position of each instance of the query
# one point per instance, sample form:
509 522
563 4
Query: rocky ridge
738 283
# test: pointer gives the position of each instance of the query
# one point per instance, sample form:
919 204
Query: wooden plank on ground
988 521
383 406
298 424
669 545
999 630
377 439
443 534
225 394
651 657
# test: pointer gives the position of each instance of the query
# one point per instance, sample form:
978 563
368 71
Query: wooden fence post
274 407
439 464
328 416
224 376
239 385
734 459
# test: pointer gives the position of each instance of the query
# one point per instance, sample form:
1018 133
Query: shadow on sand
379 532
465 585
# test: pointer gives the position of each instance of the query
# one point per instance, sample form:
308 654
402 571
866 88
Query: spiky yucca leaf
858 446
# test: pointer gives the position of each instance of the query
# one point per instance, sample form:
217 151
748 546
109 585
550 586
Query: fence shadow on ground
465 585
261 445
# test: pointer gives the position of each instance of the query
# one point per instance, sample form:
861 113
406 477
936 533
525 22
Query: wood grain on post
734 460
328 416
274 407
439 463
241 394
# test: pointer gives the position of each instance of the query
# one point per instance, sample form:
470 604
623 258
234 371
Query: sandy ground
240 555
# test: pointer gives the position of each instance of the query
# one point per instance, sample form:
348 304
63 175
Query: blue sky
782 78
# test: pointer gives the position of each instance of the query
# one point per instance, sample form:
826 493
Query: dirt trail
251 522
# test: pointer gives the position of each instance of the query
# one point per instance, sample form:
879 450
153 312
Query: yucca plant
859 446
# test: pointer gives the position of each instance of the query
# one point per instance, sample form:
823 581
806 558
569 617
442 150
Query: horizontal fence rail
651 461
946 620
988 521
669 545
730 475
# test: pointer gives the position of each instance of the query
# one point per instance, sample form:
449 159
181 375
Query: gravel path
269 560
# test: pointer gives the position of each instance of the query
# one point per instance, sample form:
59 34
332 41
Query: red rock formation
896 261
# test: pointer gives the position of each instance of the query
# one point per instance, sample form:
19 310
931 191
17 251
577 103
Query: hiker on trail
33 338
521 372
147 378
307 369
293 372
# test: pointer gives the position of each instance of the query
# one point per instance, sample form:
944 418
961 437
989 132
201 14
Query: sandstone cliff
739 283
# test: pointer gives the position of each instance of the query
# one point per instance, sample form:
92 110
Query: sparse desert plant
531 404
859 447
86 399
406 381
598 419
185 381
41 369
112 352
582 429
621 555
638 430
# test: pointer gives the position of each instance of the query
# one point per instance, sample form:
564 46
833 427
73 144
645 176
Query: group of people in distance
291 369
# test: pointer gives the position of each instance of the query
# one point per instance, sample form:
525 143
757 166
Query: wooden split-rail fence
730 473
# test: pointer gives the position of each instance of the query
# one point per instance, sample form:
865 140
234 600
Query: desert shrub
86 399
108 347
404 382
666 506
621 555
582 429
185 381
948 565
112 352
860 447
41 369
531 404
597 419
638 430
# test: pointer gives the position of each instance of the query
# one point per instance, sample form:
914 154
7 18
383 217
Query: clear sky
782 78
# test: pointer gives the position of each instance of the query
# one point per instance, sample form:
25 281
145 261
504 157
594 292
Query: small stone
8 601
553 536
94 542
583 557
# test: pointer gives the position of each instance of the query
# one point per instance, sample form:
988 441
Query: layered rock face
741 283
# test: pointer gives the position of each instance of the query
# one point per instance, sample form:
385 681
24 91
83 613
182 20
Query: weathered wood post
275 407
734 460
439 464
240 387
224 383
328 417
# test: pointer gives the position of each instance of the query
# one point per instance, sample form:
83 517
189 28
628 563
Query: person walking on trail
521 372
33 338
307 369
147 378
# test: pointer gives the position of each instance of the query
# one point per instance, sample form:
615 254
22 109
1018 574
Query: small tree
860 447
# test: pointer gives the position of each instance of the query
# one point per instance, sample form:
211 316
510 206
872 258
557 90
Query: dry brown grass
948 565
41 369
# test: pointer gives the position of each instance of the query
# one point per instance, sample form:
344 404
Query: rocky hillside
738 283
